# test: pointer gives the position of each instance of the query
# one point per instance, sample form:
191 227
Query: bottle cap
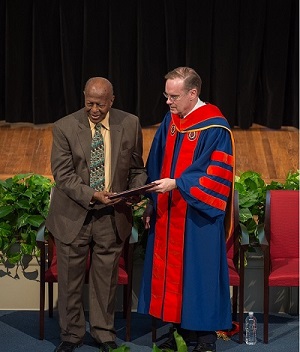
251 314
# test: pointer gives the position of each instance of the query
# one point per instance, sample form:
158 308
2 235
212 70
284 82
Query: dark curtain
246 51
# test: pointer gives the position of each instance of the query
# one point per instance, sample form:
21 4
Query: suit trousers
98 237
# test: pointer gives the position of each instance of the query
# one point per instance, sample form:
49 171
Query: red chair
237 245
280 244
48 274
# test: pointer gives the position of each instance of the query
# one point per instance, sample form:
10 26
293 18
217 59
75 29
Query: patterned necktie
97 180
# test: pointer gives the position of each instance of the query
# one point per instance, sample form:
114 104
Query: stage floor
272 153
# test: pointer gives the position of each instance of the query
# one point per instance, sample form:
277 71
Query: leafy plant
292 180
24 203
252 191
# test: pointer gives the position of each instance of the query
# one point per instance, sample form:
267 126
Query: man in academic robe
191 161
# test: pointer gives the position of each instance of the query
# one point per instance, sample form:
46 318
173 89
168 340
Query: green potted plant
252 196
24 203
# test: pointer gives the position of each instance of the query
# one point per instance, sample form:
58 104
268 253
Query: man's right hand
103 197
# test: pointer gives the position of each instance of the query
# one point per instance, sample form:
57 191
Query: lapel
85 136
116 130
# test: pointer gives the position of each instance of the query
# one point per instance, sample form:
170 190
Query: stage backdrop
246 51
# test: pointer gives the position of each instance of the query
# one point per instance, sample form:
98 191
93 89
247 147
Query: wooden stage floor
272 153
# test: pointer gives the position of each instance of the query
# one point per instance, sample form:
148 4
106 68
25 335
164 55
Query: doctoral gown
185 278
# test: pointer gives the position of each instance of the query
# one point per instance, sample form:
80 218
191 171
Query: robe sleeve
206 183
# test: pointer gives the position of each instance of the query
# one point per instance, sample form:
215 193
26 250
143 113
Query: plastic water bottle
251 326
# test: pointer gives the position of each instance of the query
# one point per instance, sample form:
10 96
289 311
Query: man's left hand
164 185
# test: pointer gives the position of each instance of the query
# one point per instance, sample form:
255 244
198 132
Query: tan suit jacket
70 161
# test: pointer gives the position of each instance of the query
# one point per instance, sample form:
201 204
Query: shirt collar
198 105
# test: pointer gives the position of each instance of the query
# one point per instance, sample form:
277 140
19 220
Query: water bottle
251 326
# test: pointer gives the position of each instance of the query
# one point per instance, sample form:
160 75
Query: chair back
280 245
282 223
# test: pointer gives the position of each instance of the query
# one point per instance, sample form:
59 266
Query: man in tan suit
81 217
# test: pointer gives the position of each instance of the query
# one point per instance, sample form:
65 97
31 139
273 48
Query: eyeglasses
172 98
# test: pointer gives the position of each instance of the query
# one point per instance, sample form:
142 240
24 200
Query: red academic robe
186 275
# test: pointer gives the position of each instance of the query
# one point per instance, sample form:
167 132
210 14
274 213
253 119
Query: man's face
180 100
97 103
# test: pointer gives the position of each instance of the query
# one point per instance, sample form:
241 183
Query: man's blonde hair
191 78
